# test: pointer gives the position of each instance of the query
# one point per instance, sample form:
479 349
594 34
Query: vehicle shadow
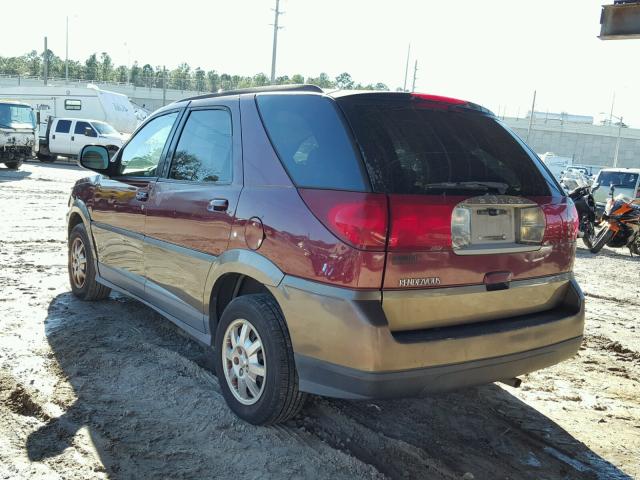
8 175
153 409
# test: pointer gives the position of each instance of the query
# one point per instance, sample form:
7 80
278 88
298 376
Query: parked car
353 245
17 133
66 137
625 180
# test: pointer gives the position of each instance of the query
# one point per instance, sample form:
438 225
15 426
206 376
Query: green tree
106 67
260 80
344 81
148 75
297 79
199 79
135 74
121 74
92 68
34 63
213 81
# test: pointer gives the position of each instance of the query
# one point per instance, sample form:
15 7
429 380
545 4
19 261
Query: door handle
218 205
53 137
142 195
72 138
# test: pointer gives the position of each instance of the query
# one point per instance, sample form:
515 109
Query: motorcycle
586 206
621 228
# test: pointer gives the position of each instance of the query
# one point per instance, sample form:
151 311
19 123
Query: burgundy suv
348 244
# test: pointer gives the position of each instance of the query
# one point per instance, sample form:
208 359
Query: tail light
358 219
421 222
562 222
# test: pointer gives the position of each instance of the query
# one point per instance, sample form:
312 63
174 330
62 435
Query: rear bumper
344 346
322 378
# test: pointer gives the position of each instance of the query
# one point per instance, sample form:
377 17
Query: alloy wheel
244 361
78 262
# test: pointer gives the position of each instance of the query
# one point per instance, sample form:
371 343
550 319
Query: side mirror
95 157
88 131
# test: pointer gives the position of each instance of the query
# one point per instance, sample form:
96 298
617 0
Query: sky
491 52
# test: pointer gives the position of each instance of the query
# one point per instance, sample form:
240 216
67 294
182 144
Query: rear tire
82 270
601 239
274 396
46 158
589 235
13 165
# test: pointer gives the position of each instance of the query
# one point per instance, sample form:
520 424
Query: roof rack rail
268 88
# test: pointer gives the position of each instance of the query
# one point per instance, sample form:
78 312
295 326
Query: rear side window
312 142
204 152
414 147
63 126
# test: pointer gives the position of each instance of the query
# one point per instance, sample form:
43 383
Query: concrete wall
151 98
586 144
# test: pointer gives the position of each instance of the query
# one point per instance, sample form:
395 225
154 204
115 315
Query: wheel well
74 220
226 288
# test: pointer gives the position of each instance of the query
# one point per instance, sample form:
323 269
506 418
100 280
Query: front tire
13 165
44 158
254 361
589 235
601 239
82 270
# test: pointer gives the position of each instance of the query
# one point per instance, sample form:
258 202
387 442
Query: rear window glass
411 148
619 179
309 136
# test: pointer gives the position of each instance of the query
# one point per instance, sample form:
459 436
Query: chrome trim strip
172 247
465 289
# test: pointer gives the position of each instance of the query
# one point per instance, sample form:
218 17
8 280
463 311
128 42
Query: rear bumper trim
327 379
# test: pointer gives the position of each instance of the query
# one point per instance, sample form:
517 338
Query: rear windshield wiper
499 187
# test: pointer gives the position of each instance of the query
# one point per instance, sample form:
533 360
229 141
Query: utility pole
164 86
275 41
613 102
415 72
406 70
615 156
533 108
46 61
66 57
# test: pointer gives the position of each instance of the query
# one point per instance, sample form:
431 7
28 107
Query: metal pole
164 86
275 42
406 70
46 61
66 58
613 101
533 107
615 157
415 72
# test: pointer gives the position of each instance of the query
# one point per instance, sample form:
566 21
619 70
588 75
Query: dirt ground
112 390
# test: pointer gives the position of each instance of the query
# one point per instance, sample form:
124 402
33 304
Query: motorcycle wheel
601 239
589 235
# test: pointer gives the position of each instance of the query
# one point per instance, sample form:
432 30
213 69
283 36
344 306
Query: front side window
104 128
80 128
204 150
73 104
63 126
140 157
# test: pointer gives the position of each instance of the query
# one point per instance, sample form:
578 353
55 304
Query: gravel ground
112 390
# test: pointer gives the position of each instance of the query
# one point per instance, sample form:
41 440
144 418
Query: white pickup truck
66 136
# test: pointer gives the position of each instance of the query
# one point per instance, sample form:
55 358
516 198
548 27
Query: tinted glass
412 148
620 179
312 142
142 154
63 126
80 126
203 153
